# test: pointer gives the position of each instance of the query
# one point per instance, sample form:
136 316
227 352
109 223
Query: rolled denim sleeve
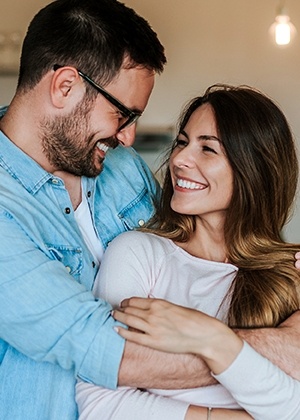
48 316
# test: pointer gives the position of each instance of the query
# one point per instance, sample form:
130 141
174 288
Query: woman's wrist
203 413
220 348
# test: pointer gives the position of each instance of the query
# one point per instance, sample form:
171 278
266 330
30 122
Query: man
87 70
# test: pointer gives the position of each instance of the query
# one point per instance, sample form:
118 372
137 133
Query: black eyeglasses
130 116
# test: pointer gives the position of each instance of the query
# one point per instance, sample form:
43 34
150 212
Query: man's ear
66 86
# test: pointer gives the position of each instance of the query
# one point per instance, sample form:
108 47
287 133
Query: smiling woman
214 245
199 166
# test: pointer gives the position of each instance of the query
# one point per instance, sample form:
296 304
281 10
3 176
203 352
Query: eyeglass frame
132 116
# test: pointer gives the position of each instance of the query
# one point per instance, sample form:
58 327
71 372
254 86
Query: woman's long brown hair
260 148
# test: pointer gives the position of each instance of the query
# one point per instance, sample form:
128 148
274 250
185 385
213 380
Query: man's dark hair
92 35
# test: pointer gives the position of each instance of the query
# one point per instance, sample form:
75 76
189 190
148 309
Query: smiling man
87 71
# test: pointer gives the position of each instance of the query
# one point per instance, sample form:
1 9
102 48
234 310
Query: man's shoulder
125 157
125 166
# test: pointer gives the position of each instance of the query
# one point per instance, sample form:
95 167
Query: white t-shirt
142 264
83 218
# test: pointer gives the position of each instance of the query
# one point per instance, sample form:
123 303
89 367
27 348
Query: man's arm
163 370
48 316
142 367
280 345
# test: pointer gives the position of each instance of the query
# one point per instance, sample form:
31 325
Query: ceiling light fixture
282 30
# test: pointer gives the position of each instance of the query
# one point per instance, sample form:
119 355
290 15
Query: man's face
77 142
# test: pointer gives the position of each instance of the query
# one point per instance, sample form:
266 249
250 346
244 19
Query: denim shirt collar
19 165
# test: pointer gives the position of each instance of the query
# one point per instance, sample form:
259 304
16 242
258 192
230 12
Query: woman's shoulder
141 242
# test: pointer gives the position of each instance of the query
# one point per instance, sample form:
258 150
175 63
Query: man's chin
89 173
93 172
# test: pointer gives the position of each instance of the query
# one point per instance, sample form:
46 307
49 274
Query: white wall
207 41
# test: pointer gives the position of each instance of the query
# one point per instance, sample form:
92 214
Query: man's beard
66 144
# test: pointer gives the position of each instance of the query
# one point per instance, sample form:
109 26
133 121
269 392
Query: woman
215 245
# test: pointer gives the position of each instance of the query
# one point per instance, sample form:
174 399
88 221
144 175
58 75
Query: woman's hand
168 327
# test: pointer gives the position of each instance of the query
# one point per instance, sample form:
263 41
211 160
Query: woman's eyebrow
202 136
208 137
184 133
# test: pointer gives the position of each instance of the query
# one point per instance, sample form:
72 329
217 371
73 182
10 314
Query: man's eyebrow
136 110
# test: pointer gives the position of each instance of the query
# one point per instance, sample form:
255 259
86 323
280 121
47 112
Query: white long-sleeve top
143 264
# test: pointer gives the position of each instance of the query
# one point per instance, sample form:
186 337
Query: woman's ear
66 86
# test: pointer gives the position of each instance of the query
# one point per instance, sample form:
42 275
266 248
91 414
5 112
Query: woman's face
201 175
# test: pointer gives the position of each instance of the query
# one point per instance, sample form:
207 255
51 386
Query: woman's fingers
132 317
134 336
159 326
172 328
142 303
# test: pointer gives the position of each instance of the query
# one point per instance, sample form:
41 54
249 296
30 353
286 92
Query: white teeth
102 147
188 184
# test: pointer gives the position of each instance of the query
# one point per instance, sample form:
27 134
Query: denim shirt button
93 264
67 210
141 222
68 269
89 194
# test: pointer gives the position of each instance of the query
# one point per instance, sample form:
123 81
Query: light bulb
282 30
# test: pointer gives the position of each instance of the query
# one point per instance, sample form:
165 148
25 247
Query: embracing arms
259 386
280 345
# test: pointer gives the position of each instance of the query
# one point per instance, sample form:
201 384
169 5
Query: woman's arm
98 403
125 403
173 328
280 345
127 270
257 385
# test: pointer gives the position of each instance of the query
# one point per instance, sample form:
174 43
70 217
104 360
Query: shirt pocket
138 212
70 257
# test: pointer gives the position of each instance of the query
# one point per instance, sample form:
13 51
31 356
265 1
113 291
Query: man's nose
126 137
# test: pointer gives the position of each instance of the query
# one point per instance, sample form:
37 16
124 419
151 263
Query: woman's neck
206 242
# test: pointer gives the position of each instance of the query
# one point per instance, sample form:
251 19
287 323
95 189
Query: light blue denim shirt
55 328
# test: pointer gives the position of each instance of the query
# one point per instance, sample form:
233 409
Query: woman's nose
183 157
